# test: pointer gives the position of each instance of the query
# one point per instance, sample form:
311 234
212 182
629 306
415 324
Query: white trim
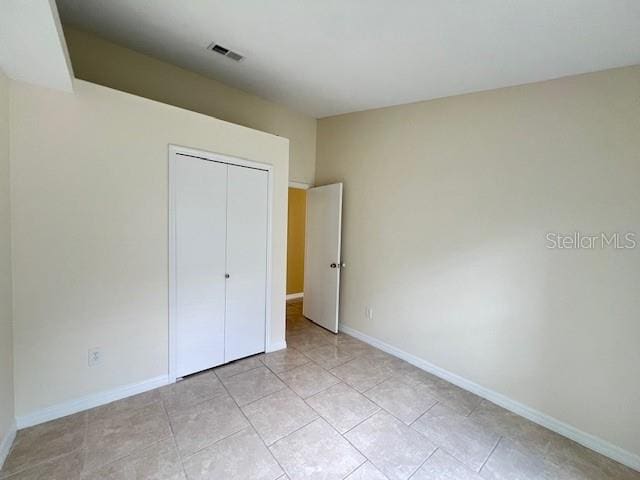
300 185
89 401
293 296
174 150
277 346
599 445
7 441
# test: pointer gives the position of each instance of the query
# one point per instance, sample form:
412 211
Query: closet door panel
247 216
200 222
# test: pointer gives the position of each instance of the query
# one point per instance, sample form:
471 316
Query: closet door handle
333 265
226 275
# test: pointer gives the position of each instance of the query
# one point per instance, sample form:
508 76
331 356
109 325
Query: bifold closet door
247 217
200 246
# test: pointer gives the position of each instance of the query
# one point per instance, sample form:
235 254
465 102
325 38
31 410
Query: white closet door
247 203
200 223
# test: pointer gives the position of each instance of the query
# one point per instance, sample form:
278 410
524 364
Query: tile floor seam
490 453
425 461
91 439
173 437
190 406
38 464
84 443
355 469
442 447
361 453
288 369
264 396
363 420
387 411
333 366
246 427
391 413
128 454
272 455
275 441
296 430
51 459
351 443
252 427
319 391
182 467
133 452
424 413
235 374
220 439
284 371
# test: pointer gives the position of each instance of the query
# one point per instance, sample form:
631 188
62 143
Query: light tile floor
329 407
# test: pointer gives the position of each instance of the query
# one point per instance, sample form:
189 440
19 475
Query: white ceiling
32 46
326 57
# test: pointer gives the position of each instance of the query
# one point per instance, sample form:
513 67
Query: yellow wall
295 242
105 63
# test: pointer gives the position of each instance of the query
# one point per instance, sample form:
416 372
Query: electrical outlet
94 357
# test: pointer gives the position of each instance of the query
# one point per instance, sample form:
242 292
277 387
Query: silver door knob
226 275
333 265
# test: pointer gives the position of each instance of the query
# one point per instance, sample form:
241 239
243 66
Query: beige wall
105 63
89 200
6 335
295 240
447 204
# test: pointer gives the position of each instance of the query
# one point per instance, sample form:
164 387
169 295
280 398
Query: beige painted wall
6 335
105 63
89 199
295 240
447 204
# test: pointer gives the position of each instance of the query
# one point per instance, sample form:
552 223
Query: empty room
325 240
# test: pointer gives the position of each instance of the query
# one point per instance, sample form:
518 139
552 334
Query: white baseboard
599 445
6 442
89 401
300 185
294 296
274 347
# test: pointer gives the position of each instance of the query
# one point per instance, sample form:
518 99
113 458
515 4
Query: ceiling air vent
214 47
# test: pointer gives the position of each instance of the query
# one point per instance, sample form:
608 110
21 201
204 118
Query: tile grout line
425 461
362 421
175 442
316 393
136 450
317 416
82 446
423 414
350 443
256 432
490 453
387 367
356 469
220 439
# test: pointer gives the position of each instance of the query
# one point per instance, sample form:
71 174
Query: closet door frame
175 152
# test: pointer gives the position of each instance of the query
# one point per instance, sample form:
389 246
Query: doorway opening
295 244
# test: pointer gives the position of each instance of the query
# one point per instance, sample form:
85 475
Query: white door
322 255
247 218
200 232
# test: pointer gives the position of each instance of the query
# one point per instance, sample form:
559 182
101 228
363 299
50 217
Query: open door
322 260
